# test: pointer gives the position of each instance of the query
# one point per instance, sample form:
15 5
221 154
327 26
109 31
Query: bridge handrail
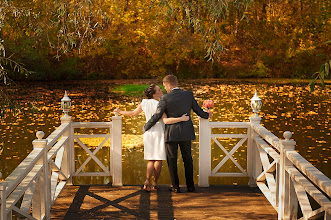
205 137
295 177
29 177
265 146
311 189
266 134
92 124
22 170
55 135
41 176
27 164
59 159
222 124
282 174
316 176
300 171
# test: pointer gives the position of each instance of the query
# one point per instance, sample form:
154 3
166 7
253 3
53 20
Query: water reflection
285 107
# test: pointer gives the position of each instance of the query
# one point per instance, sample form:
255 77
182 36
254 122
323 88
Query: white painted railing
32 188
286 179
115 153
206 137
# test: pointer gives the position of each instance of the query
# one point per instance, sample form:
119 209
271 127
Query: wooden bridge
41 186
130 202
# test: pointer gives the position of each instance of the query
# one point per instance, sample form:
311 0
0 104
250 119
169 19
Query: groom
176 103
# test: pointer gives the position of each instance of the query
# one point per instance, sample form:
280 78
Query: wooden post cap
40 135
287 135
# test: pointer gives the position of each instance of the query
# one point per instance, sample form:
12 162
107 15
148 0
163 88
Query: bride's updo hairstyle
150 91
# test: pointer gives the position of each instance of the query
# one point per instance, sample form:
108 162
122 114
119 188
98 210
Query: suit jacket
175 104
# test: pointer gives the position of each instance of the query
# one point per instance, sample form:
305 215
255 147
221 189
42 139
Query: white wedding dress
154 146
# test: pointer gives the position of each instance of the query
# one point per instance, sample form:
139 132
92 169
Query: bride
154 145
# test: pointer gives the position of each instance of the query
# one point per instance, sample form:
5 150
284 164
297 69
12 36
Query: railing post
116 150
287 206
204 152
68 164
3 196
254 165
44 198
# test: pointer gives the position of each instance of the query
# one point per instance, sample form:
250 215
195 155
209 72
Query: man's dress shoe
191 189
176 190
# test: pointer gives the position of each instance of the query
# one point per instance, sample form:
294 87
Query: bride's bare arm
174 120
135 112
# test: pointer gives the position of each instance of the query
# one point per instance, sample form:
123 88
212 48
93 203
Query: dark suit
175 104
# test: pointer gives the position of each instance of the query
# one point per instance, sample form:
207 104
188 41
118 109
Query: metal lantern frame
65 104
256 103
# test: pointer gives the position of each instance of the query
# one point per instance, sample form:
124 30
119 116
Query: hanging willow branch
7 103
323 72
204 17
66 25
7 64
76 23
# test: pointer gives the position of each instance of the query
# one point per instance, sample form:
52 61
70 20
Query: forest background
120 39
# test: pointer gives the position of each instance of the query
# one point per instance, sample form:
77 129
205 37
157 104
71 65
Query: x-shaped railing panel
228 155
267 181
303 188
92 154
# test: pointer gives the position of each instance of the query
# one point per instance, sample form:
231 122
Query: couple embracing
168 126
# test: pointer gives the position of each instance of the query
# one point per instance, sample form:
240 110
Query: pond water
285 107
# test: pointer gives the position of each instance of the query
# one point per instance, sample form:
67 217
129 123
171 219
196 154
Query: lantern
256 103
65 104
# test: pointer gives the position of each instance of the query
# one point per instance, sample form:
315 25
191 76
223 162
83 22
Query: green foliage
321 75
323 72
132 89
7 104
260 70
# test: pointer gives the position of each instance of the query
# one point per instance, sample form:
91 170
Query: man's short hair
171 79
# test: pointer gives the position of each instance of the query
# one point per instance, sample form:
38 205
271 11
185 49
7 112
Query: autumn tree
87 39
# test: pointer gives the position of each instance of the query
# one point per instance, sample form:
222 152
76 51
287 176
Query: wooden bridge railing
286 179
114 168
32 188
37 181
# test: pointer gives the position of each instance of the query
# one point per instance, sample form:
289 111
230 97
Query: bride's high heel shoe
147 187
155 186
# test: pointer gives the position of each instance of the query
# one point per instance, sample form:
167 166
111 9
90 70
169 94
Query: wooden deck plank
130 202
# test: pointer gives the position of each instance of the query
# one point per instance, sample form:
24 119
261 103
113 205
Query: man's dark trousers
172 152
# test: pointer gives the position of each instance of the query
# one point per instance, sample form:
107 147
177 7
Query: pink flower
208 104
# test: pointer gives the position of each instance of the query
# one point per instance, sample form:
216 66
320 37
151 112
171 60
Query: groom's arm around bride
176 103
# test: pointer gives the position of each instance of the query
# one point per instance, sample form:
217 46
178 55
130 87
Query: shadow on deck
130 202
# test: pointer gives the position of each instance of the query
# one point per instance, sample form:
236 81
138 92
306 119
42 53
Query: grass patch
132 89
